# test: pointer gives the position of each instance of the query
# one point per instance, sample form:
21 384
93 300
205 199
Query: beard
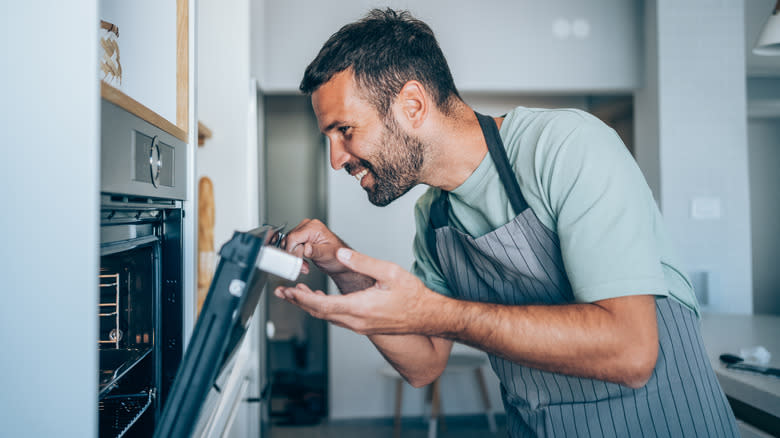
396 167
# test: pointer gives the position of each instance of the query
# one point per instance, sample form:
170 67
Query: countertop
726 333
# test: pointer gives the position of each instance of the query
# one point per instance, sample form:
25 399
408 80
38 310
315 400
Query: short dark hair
385 49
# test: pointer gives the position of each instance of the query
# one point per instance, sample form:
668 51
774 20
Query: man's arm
420 359
614 340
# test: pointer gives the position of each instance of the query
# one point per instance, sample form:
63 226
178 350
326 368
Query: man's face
385 160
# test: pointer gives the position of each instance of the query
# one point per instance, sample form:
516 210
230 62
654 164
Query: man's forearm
419 359
614 340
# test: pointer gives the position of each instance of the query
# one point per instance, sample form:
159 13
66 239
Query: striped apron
520 263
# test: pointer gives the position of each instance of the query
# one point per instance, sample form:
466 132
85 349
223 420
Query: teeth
359 176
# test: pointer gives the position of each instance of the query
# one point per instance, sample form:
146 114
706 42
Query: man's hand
313 240
398 303
391 304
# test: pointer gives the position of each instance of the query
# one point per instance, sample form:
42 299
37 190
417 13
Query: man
538 242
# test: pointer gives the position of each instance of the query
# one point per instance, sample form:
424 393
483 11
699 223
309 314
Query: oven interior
133 317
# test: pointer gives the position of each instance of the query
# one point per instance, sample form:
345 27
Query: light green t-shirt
583 184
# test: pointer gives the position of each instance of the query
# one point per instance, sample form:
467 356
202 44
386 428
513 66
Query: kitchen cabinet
562 46
150 76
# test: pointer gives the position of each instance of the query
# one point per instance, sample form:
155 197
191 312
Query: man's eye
344 129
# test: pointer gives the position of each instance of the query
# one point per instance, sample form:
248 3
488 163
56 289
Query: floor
450 427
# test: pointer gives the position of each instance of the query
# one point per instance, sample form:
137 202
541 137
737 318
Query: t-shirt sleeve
425 266
605 221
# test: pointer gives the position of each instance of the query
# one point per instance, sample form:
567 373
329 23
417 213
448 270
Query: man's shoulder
538 135
422 207
542 120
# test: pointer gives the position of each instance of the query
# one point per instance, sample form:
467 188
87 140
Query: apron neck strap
501 161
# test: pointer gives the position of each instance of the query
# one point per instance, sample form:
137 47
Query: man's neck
456 148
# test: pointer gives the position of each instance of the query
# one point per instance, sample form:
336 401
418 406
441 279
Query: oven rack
114 364
125 410
110 283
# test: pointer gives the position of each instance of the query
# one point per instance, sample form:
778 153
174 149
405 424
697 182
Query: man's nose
338 155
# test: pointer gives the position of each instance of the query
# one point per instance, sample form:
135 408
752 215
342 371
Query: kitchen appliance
234 293
143 184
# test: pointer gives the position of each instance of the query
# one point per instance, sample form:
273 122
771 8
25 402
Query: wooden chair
457 363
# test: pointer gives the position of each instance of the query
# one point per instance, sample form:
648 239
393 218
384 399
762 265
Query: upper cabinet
526 46
144 62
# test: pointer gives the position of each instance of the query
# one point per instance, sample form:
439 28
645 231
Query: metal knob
155 161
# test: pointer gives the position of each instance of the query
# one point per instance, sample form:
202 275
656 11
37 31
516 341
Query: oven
140 306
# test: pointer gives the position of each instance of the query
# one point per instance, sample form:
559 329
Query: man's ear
412 104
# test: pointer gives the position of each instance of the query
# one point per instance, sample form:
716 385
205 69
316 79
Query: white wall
387 233
511 45
229 158
692 138
49 178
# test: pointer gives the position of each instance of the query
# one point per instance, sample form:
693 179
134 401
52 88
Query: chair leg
435 408
399 392
486 400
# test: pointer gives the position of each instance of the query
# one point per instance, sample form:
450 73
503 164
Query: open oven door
211 378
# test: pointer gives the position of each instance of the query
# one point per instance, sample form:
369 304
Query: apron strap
501 161
439 214
438 217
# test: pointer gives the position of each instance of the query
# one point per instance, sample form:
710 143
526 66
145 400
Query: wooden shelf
127 103
180 127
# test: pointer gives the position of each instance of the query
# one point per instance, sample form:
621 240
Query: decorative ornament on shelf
109 56
768 43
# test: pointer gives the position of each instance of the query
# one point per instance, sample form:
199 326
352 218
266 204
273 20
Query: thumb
363 264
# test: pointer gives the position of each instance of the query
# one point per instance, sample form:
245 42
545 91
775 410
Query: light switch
705 208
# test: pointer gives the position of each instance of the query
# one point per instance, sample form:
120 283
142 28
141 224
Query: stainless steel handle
155 161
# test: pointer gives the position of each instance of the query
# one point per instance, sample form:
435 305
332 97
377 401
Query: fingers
316 303
298 236
306 232
295 238
374 268
311 239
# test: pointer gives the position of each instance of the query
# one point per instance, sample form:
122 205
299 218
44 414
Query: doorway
296 188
